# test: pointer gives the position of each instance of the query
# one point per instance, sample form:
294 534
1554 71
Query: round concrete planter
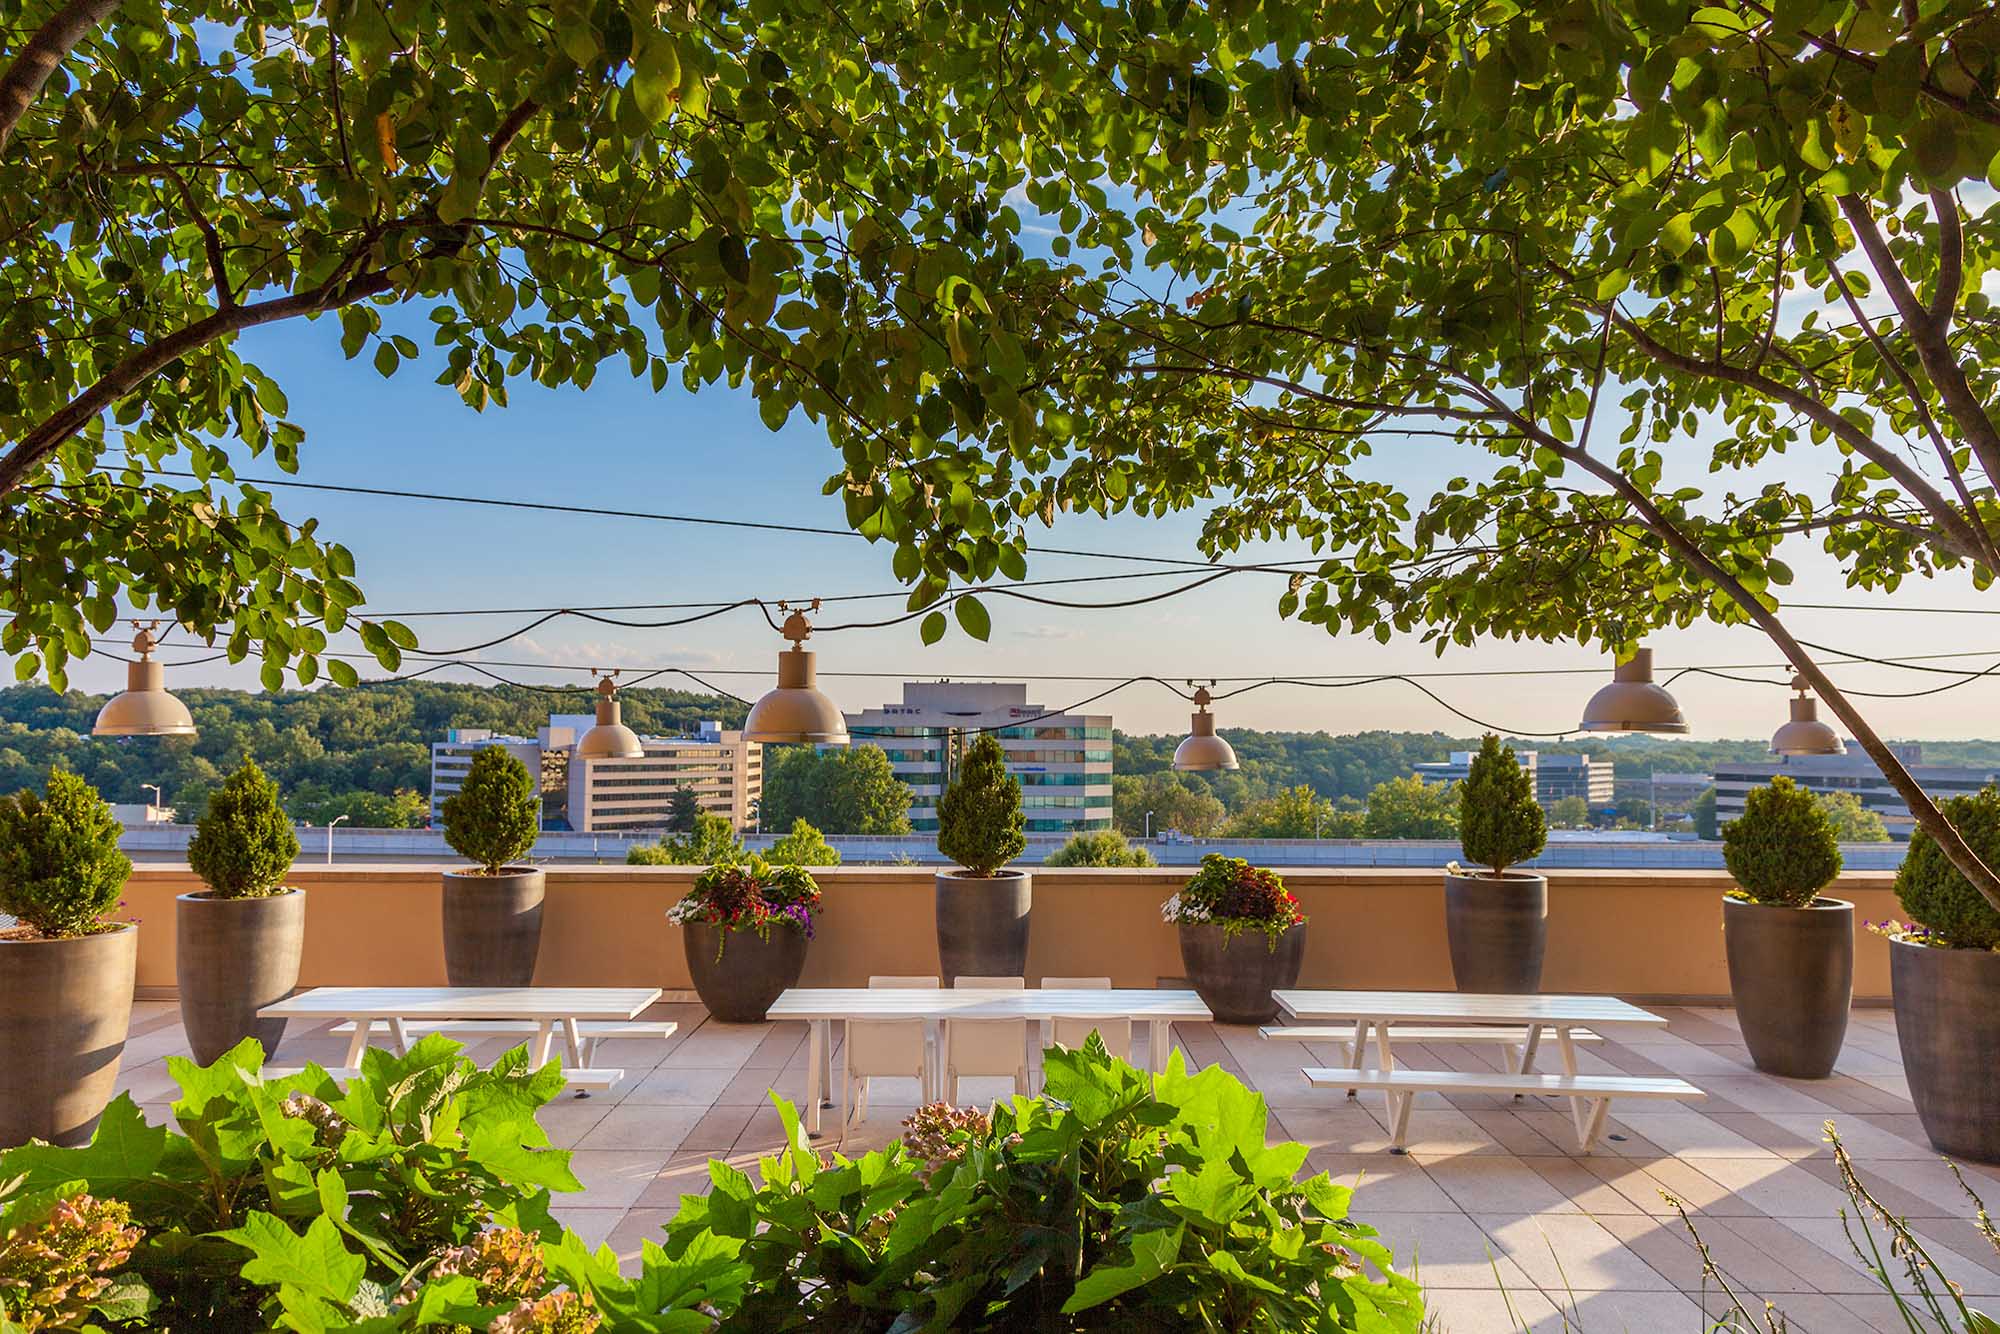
1235 976
1791 972
738 988
492 926
1498 927
982 924
65 1008
232 957
1948 1025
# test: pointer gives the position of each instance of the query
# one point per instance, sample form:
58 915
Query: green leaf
932 628
1152 1254
972 617
317 1264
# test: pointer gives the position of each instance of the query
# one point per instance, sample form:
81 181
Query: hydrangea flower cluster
507 1265
1231 893
750 896
53 1268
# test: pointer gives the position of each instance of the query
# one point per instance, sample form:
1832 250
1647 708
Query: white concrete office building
614 795
1062 760
1853 772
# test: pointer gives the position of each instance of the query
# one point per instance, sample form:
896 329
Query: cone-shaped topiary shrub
60 867
1500 824
1782 848
243 844
491 819
1933 892
980 825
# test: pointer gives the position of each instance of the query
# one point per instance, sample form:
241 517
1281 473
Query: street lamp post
159 802
329 837
1149 826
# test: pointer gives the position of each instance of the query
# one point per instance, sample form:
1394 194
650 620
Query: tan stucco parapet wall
1636 933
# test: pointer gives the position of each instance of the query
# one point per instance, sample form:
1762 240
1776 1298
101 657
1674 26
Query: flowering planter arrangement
1944 971
1242 937
745 927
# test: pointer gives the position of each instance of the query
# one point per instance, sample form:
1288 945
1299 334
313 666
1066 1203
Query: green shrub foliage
60 867
1500 824
1782 849
1100 847
804 846
1117 1201
418 1198
1932 891
243 844
980 825
491 819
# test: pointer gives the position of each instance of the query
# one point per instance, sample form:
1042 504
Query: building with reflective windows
1062 759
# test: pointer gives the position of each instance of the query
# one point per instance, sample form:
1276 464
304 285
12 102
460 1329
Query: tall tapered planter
1791 974
65 1008
1948 1026
232 958
738 974
492 926
1235 974
1498 929
982 924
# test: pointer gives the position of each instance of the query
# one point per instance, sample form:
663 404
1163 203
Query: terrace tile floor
1506 1224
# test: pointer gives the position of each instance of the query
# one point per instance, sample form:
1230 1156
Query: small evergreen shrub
1500 824
1100 847
1932 891
243 844
713 843
60 867
980 825
804 846
1782 848
491 819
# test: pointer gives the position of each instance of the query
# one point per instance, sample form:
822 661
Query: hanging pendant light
1805 734
610 739
1202 749
145 709
796 711
1632 703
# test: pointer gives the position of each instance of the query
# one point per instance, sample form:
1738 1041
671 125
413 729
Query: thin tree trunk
48 48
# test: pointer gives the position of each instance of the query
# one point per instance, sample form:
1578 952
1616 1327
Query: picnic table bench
1517 1022
822 1007
535 1012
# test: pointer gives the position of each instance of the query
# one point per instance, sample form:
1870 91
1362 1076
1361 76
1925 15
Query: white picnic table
547 1008
1566 1016
822 1007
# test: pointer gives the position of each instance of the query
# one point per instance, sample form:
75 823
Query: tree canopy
846 791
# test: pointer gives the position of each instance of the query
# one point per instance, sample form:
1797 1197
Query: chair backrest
888 1046
963 983
903 983
1071 1032
1076 984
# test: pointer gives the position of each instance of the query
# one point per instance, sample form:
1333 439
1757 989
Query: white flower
1173 910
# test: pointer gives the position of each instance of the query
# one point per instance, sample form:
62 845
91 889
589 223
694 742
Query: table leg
1359 1051
1585 1120
359 1042
573 1044
826 1071
1385 1060
545 1039
1529 1048
399 1037
815 1043
1160 1044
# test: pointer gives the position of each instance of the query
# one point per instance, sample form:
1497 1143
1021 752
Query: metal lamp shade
145 709
1202 749
796 711
611 739
1632 703
1805 734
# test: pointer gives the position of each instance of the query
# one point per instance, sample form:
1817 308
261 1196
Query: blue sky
618 444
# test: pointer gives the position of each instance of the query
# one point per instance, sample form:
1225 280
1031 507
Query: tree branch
1951 259
1933 348
225 295
48 48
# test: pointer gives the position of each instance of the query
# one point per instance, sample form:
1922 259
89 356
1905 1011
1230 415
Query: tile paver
1506 1224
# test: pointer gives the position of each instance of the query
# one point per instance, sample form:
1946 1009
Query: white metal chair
883 1049
1073 1031
982 1047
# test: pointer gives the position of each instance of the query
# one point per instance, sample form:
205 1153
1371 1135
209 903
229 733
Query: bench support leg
1589 1125
1399 1118
573 1043
359 1042
545 1038
1358 1050
1385 1060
